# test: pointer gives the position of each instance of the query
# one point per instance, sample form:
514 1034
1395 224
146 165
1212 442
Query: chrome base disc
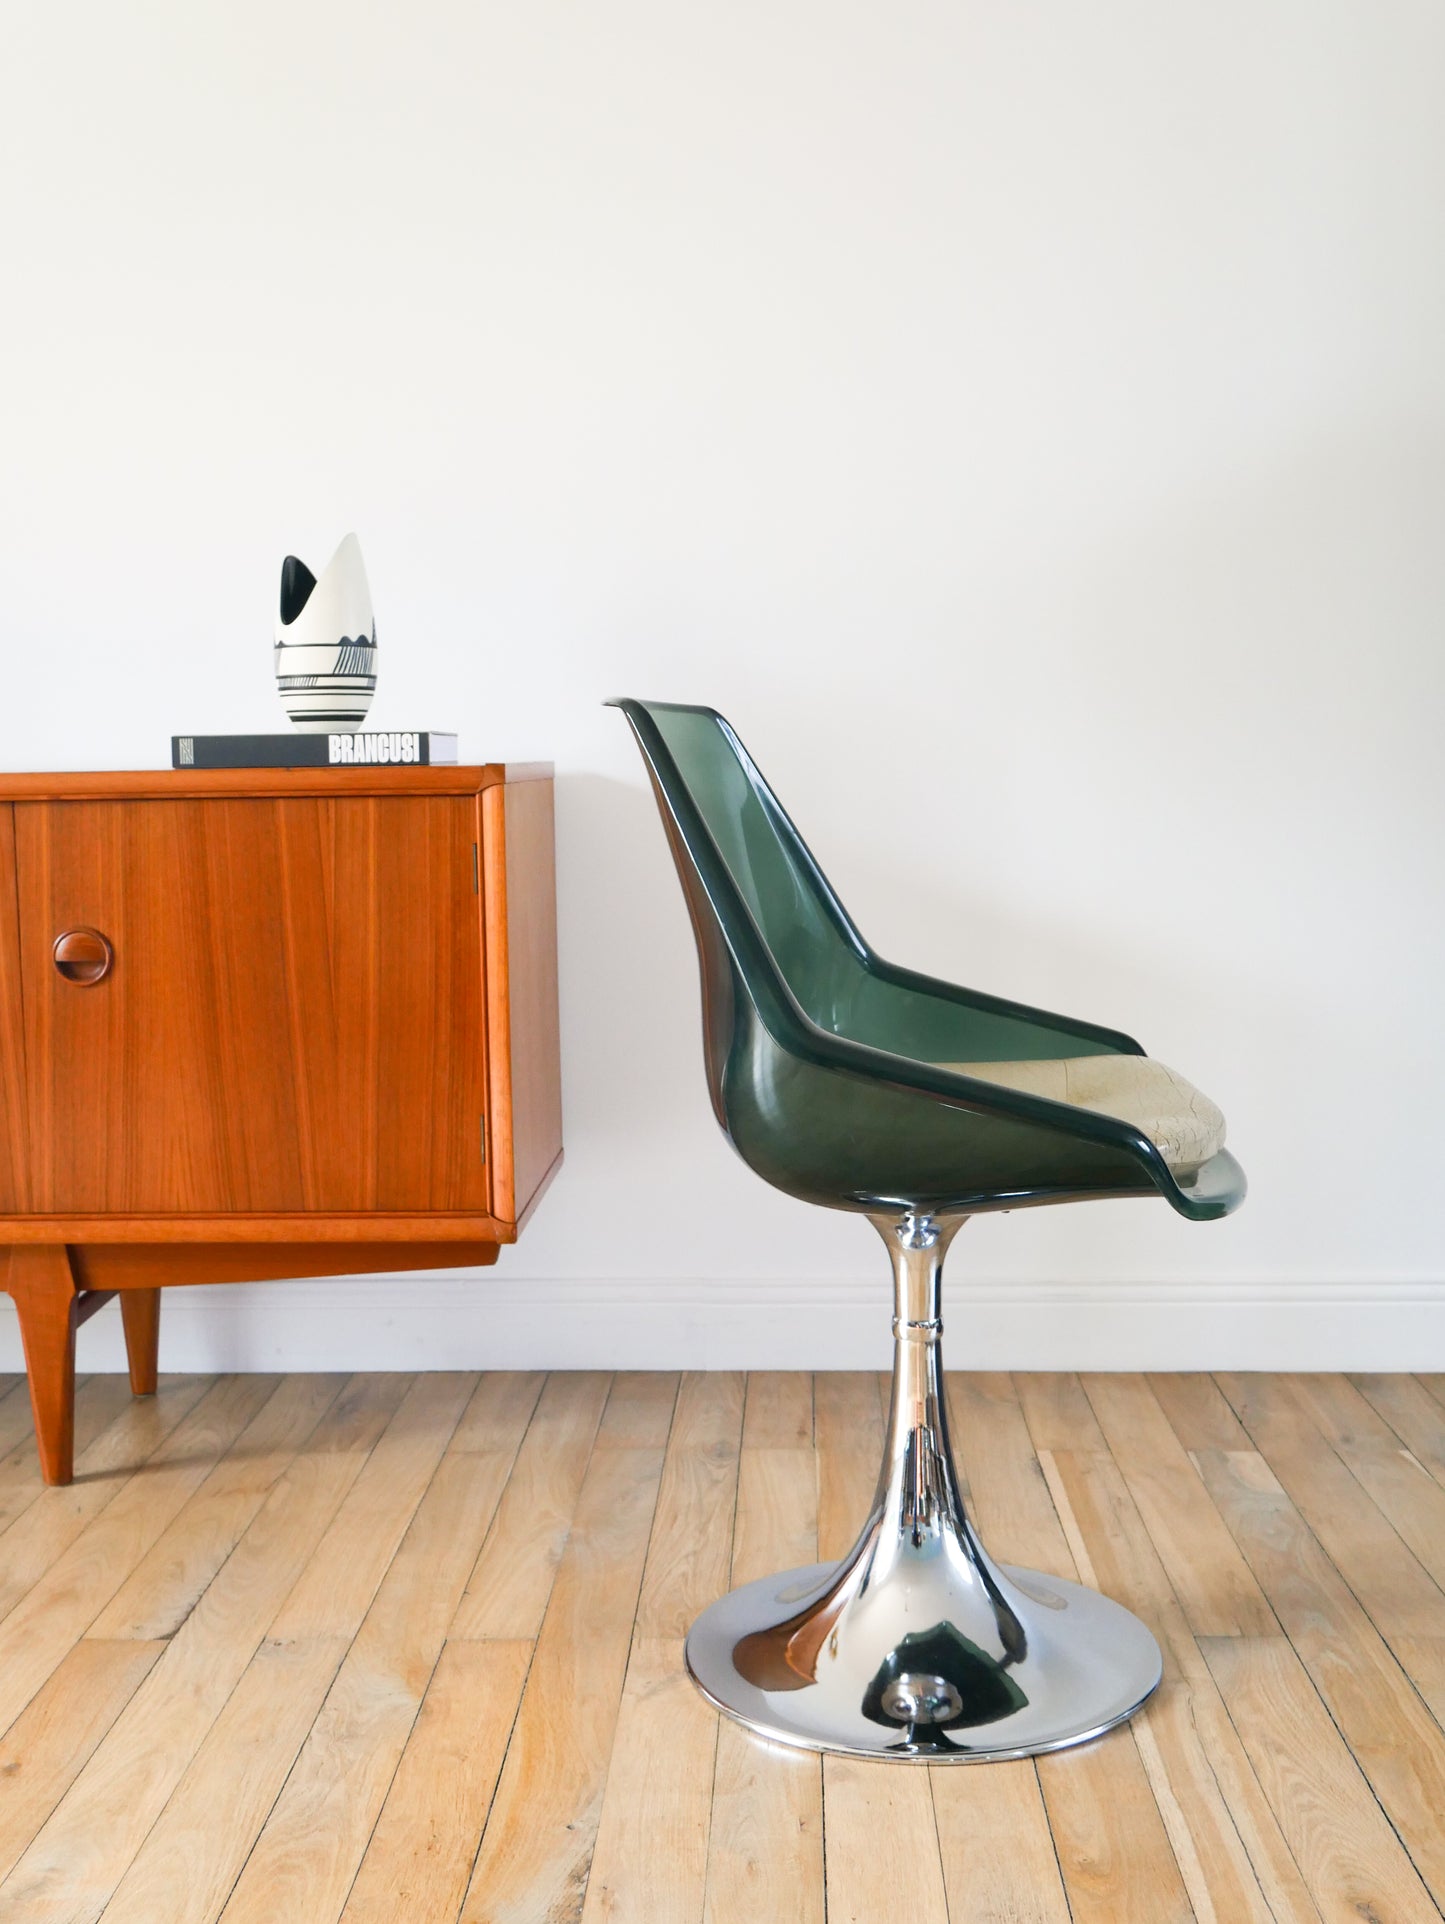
944 1659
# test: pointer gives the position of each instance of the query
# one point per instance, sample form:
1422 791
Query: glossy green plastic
822 1057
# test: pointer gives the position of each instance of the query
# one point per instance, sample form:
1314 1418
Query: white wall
1027 421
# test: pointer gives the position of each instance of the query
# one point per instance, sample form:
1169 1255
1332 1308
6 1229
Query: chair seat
1182 1123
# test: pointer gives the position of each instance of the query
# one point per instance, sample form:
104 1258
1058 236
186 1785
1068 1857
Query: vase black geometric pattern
325 654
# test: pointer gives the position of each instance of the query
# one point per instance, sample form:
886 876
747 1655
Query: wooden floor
383 1649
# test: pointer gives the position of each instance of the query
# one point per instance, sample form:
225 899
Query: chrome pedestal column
917 1647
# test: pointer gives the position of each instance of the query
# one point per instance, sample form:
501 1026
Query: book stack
413 748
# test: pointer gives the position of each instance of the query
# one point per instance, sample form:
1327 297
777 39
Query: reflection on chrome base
917 1647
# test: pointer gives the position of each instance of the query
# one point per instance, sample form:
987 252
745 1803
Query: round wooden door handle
83 956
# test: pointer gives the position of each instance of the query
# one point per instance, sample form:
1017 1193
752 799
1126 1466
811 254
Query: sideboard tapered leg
46 1301
140 1311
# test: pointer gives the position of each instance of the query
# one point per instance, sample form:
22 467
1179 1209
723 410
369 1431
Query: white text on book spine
399 746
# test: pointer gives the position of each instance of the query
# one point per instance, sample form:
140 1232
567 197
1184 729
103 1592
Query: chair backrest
744 864
805 931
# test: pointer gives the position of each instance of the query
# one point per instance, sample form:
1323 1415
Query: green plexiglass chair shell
824 1061
828 1073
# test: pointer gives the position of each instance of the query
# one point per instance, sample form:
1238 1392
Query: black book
371 748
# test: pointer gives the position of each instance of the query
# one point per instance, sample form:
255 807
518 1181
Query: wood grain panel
509 1588
1222 1598
999 1864
1396 1590
14 1125
311 1848
1402 1487
519 908
112 1433
880 1840
67 1599
848 1425
248 1758
776 1526
48 1744
14 1415
765 1845
691 1549
450 1227
1113 1851
650 1863
1010 1501
1117 1862
1058 1413
192 1855
1396 1742
1197 1411
210 784
779 1410
293 1020
1341 1412
639 1410
1236 1866
499 1412
537 1846
350 1561
420 1856
96 1832
165 1586
132 1266
48 1528
1350 1857
1115 1867
1412 1413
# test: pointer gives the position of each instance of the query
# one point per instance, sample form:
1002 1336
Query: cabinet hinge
484 1138
476 871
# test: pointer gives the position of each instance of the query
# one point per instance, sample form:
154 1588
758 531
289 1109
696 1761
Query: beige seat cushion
1184 1125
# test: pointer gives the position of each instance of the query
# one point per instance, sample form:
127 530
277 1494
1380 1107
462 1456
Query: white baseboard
422 1322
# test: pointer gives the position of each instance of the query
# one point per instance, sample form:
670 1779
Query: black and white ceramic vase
326 643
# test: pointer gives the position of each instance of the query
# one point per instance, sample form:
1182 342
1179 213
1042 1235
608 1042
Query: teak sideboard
264 1023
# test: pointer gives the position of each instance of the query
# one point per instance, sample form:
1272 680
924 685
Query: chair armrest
921 1017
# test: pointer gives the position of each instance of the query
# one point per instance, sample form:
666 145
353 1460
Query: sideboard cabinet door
284 1011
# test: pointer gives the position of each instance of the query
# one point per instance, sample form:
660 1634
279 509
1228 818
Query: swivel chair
858 1085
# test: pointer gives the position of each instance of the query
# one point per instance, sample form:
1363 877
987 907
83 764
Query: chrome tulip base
894 1672
917 1647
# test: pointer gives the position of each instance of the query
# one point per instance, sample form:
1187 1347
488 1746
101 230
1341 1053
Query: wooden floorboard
765 1834
353 1651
